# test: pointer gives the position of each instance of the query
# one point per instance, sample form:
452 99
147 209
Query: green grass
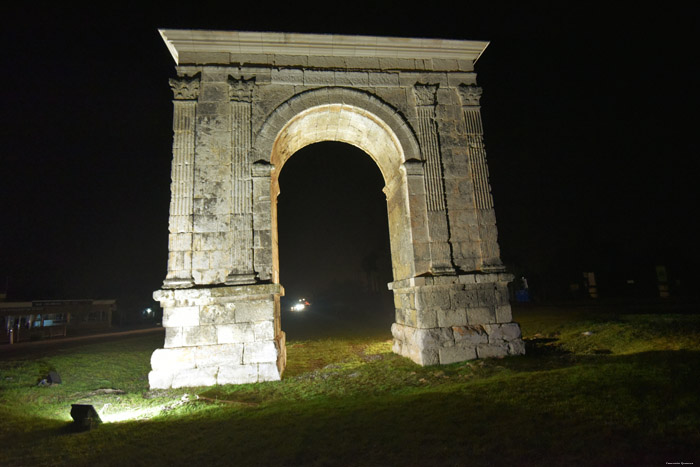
595 388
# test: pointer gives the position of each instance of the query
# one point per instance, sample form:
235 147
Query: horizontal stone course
446 345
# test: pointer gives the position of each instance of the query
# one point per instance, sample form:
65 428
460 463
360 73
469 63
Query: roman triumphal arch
243 104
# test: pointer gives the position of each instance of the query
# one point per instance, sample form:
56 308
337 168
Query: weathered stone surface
243 105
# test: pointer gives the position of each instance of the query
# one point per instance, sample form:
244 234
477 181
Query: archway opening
333 241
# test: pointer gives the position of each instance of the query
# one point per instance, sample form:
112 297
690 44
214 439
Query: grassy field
598 386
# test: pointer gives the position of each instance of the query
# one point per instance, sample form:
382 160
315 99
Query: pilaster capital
470 94
185 88
241 89
425 94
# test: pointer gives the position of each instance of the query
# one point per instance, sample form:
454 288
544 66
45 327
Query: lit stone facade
244 103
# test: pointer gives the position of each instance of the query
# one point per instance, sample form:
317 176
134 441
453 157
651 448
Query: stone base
221 335
457 343
448 319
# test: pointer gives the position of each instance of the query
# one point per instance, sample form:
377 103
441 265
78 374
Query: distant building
21 321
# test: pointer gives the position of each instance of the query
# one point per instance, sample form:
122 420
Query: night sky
589 131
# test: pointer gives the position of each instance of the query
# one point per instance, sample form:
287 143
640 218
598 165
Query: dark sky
588 115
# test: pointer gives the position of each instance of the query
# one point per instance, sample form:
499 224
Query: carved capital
241 90
469 94
185 88
425 94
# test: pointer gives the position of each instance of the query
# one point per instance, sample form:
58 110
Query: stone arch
243 104
344 115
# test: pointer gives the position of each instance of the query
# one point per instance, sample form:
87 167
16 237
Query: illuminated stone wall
246 102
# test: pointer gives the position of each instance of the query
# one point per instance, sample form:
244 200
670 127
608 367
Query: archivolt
337 114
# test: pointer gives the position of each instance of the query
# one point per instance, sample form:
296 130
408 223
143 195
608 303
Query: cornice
190 41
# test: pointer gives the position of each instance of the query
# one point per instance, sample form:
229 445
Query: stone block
511 331
495 332
426 318
173 338
213 108
351 78
195 377
217 355
199 335
397 330
486 278
481 315
319 78
467 279
291 60
430 298
492 350
469 335
456 353
268 372
160 379
424 357
464 298
217 314
432 338
317 61
251 311
452 317
237 374
181 316
260 352
486 295
211 91
366 63
181 358
383 79
516 347
264 330
234 333
504 314
397 347
200 259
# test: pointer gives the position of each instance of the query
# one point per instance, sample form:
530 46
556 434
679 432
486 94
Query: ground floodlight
85 417
54 377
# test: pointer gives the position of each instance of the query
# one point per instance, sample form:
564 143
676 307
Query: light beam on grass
114 414
130 413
